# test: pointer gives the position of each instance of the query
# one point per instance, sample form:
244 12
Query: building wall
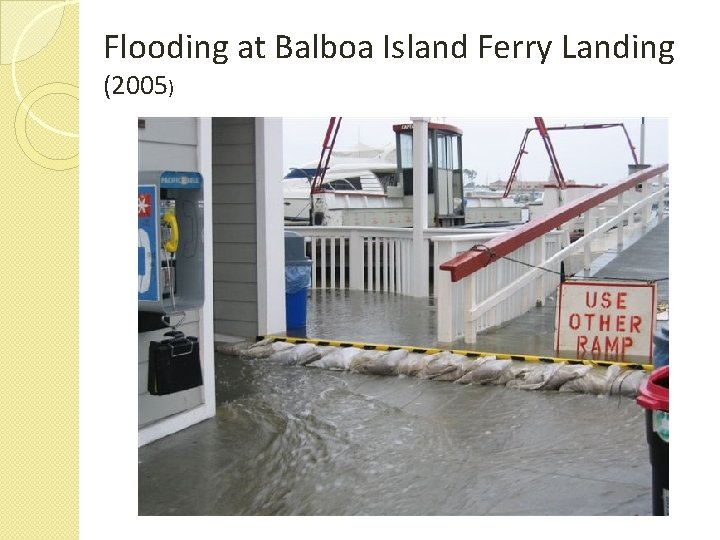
241 161
234 227
166 144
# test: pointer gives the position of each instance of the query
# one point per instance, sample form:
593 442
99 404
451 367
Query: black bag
174 364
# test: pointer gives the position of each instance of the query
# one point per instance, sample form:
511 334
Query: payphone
170 241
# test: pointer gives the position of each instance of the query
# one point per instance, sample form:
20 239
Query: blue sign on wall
180 180
148 277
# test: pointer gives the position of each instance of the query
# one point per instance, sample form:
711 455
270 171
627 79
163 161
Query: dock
379 318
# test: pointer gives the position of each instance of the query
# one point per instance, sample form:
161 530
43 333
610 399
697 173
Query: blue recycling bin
298 270
661 349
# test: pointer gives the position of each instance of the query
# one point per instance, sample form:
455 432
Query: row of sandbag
448 366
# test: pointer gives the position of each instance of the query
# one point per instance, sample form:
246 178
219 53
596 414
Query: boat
357 178
372 186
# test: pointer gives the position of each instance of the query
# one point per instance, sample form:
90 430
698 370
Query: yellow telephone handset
170 220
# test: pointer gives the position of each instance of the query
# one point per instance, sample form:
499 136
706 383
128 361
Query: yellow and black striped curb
469 354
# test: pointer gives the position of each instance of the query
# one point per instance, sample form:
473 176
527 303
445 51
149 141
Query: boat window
343 184
406 158
354 183
406 151
453 157
448 151
301 173
387 179
442 153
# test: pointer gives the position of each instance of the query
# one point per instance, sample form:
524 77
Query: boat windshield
351 184
301 173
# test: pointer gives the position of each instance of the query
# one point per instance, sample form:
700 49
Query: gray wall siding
234 227
166 144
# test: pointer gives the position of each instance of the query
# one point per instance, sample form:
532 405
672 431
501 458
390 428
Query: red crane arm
327 148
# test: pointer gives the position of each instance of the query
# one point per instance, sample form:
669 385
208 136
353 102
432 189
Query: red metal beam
540 123
328 145
481 256
602 126
516 165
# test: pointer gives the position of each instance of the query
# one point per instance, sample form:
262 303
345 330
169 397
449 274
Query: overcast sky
491 144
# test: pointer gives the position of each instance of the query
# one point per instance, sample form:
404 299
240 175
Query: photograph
343 335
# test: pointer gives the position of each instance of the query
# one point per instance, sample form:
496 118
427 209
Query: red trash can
654 396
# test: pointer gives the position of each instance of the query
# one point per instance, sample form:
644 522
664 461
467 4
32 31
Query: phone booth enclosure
170 241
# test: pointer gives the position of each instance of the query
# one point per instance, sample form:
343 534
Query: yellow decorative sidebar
39 211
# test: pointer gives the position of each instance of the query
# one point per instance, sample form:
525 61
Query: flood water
290 440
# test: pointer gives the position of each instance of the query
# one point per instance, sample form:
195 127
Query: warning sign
606 320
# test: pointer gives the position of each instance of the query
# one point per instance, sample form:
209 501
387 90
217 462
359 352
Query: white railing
528 268
503 274
360 258
373 258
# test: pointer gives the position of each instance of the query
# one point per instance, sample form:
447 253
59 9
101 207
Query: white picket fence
373 258
360 258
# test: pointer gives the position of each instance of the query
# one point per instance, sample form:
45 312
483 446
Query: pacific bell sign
606 320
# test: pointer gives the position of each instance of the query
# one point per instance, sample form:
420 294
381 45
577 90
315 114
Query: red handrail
481 256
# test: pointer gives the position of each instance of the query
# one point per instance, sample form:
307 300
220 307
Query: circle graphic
14 17
21 118
16 53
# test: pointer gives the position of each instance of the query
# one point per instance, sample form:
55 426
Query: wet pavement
291 440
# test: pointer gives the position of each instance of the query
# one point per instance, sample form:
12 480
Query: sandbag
486 372
564 374
235 348
469 364
596 381
505 375
627 383
339 359
414 363
300 354
463 365
324 350
515 371
535 378
357 364
266 347
386 364
445 363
